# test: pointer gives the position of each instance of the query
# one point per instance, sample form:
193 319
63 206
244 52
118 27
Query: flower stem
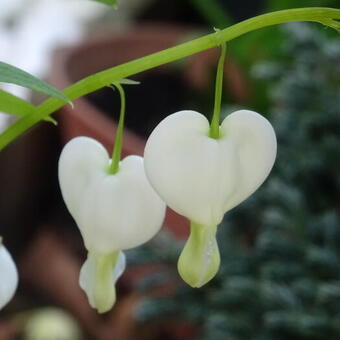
117 149
215 121
326 16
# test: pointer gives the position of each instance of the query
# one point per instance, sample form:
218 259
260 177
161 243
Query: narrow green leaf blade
9 103
12 104
14 75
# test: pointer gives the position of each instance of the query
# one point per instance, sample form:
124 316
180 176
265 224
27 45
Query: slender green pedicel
215 121
117 149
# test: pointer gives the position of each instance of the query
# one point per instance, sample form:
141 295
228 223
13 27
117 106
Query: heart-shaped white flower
200 177
113 211
9 276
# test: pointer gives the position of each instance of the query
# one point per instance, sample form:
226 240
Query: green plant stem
104 78
117 149
215 121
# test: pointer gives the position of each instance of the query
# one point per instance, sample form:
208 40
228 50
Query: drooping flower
114 212
8 276
202 178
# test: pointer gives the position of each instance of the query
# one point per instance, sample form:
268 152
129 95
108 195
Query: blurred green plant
108 2
280 273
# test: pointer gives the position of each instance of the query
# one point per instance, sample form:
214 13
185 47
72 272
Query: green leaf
9 103
108 2
14 75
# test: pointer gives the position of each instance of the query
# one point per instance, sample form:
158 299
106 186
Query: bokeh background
280 272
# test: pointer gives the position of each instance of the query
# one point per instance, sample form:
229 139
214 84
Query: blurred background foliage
280 272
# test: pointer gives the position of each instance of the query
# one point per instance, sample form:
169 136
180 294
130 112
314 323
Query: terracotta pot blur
88 117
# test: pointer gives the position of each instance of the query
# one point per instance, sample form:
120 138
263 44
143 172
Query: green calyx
200 257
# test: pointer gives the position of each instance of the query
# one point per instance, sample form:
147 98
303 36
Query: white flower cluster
195 175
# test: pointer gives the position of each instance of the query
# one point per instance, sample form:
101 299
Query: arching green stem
117 149
215 121
326 16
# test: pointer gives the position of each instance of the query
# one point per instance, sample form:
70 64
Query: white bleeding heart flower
113 212
202 178
8 276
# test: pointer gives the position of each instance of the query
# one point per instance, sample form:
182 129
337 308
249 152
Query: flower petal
113 212
200 257
98 276
201 177
9 276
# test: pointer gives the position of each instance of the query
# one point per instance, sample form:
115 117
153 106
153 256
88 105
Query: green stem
114 74
215 121
117 149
